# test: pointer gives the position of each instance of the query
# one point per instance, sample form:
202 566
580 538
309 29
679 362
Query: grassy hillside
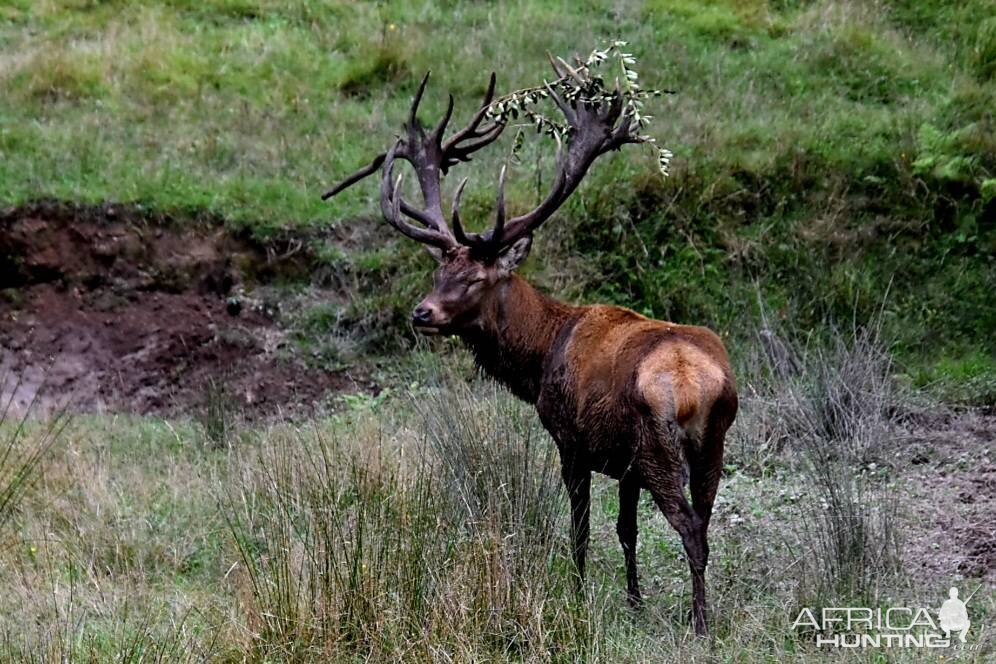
827 153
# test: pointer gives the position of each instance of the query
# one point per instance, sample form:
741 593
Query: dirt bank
104 309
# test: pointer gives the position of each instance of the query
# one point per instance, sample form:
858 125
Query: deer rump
616 380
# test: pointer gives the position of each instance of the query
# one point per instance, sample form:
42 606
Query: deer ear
435 252
515 254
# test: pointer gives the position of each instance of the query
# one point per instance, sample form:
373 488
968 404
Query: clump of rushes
585 81
21 451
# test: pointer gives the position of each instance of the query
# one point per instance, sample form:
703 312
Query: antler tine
437 133
489 96
482 138
499 228
625 132
491 240
614 108
561 104
458 232
558 158
355 177
413 114
571 71
395 217
471 131
553 63
378 161
418 215
458 153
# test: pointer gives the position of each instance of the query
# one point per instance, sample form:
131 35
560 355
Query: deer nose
421 315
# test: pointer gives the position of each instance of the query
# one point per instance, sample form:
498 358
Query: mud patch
104 310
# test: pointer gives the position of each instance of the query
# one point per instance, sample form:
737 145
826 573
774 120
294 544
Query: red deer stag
646 402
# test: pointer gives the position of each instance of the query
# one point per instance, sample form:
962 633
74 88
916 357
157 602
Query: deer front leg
626 528
578 482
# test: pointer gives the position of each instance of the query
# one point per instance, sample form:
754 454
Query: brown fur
638 399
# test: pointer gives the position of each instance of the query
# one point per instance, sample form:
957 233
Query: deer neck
517 329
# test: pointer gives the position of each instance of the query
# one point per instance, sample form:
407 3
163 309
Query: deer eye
477 282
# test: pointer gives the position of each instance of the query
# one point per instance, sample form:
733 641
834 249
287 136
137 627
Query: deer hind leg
661 464
626 528
705 467
705 458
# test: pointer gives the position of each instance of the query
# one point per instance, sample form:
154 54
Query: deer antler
596 124
430 155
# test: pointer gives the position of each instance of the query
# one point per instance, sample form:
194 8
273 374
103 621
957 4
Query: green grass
824 150
829 152
968 378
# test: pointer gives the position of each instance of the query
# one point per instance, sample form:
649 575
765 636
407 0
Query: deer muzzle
426 318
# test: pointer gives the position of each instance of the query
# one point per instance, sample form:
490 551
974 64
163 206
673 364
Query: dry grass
23 446
835 412
431 526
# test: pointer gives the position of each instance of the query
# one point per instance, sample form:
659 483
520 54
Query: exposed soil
953 503
102 309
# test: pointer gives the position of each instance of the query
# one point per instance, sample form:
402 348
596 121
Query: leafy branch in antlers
584 83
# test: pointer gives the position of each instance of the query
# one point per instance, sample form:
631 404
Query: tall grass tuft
442 540
69 631
214 414
497 461
832 409
847 416
22 449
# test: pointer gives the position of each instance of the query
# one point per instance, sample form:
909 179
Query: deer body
644 401
583 366
633 398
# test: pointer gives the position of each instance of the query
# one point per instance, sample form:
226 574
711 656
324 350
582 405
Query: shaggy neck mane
517 328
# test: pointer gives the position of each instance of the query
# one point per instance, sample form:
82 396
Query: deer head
473 266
